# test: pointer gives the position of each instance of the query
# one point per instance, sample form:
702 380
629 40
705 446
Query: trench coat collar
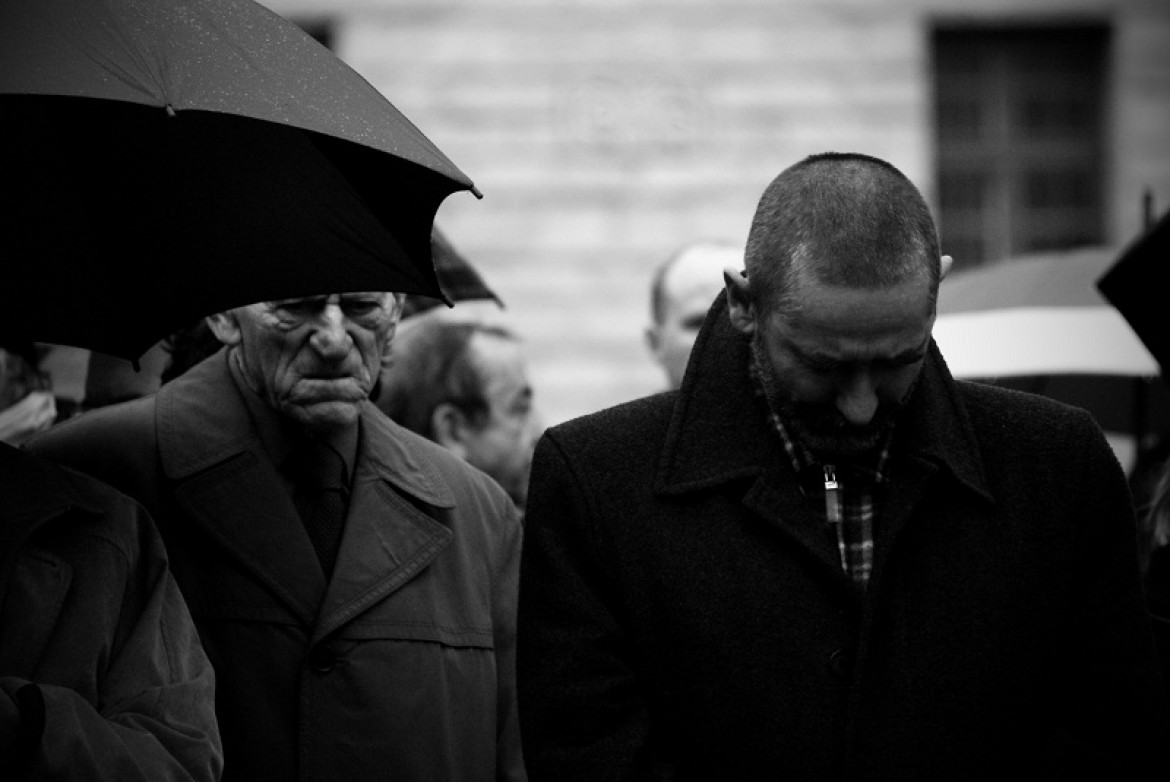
225 482
719 427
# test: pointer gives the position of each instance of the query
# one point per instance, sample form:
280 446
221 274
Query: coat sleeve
124 691
582 707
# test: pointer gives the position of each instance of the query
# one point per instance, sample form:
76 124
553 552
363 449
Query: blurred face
839 371
312 359
501 444
690 287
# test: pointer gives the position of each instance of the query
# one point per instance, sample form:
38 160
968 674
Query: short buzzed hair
847 219
432 366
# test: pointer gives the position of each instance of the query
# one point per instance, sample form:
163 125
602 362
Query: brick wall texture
604 134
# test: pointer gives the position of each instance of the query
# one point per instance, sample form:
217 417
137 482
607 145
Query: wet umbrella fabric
1037 323
165 159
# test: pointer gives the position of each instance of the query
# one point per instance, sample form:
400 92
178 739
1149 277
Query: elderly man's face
313 359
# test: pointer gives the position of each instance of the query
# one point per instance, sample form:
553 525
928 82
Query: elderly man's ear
225 326
944 266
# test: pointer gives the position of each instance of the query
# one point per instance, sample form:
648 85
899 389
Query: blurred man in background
464 385
681 292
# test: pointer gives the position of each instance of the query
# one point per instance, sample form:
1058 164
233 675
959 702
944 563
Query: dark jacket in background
683 612
96 645
401 666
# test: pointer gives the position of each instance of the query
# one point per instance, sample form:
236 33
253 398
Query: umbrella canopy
1038 323
1135 286
166 159
457 277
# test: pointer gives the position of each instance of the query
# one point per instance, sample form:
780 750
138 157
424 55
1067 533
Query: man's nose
330 337
857 400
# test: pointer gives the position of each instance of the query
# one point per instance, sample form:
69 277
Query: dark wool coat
402 665
683 612
96 646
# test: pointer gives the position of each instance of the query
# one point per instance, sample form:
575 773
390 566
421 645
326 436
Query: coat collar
203 421
719 427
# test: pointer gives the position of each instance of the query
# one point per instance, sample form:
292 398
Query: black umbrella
166 159
457 277
1135 286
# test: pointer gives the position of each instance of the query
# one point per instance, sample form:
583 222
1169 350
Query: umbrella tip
170 110
475 192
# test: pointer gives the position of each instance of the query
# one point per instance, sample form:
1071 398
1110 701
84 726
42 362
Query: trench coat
97 648
684 615
402 665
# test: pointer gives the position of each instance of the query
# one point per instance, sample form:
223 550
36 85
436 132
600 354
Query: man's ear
448 425
944 266
739 300
225 326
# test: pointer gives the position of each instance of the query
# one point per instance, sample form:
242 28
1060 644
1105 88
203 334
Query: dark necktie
321 495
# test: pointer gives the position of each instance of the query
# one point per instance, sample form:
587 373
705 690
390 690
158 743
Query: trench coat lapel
719 435
388 539
226 484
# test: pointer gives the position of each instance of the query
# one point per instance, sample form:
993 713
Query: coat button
322 659
841 663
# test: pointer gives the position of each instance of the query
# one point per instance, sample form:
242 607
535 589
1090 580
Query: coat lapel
226 484
718 435
388 539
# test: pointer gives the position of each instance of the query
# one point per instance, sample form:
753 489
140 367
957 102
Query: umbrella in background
1136 287
166 159
1038 324
457 277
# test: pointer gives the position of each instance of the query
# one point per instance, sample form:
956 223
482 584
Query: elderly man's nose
330 335
858 400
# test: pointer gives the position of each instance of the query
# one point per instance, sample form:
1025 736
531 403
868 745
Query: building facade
605 133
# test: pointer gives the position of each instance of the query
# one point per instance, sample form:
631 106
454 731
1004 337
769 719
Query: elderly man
464 384
825 559
353 584
680 294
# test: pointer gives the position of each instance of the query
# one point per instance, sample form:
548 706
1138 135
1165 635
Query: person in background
464 385
101 673
823 558
27 405
681 292
354 585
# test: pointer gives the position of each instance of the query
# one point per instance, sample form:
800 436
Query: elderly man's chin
324 417
325 407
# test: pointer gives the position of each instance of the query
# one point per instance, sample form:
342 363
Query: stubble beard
821 428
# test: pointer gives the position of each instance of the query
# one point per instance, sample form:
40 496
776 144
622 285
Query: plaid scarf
849 492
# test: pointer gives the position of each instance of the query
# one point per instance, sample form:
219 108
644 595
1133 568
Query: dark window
1020 121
